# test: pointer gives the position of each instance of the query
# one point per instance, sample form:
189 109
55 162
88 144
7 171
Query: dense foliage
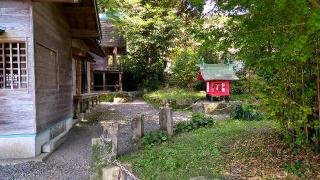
198 120
246 112
277 39
153 31
279 42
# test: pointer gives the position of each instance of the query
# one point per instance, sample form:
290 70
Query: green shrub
152 138
184 126
295 168
246 112
198 120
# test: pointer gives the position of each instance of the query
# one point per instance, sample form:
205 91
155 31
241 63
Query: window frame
19 68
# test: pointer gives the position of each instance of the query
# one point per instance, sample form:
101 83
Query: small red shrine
217 78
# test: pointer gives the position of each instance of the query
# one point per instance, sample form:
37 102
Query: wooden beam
84 33
59 1
78 77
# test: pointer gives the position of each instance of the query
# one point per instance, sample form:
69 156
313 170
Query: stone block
166 120
209 108
113 134
184 102
113 173
119 100
137 127
215 108
197 107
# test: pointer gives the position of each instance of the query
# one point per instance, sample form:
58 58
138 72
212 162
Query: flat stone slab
215 108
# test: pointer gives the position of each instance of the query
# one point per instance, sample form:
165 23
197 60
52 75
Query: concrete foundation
18 146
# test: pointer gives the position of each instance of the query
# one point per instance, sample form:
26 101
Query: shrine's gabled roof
217 72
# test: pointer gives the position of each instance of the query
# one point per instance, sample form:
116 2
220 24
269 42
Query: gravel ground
125 112
72 159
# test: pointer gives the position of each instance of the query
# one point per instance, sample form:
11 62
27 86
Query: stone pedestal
112 130
166 120
113 173
137 127
215 108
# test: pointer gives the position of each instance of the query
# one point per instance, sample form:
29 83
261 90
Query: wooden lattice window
13 65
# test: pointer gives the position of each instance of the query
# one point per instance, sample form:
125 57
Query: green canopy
217 72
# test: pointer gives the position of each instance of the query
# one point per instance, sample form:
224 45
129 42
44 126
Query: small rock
197 108
119 100
184 102
113 173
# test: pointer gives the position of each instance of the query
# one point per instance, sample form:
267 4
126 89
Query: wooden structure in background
37 56
107 72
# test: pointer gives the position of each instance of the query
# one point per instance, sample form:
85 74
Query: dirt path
72 159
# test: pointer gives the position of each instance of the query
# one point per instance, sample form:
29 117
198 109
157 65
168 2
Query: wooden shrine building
217 78
107 72
44 61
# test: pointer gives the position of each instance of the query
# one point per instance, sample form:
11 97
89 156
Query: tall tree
279 40
152 30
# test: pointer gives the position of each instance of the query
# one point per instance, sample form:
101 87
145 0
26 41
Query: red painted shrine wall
218 88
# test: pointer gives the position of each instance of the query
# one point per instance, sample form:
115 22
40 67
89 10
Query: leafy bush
198 120
199 86
246 112
184 68
153 138
295 168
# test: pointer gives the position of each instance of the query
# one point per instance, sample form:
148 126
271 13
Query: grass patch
99 152
229 149
173 95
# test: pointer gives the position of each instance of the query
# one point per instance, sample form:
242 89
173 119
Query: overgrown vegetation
178 98
229 149
247 112
98 161
198 120
153 138
153 30
279 43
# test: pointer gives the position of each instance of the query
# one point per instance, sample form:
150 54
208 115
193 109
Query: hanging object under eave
2 29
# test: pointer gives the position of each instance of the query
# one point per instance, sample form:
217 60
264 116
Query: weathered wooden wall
16 106
53 84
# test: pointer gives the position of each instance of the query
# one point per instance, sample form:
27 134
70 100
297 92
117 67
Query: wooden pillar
104 81
78 77
120 80
115 53
89 76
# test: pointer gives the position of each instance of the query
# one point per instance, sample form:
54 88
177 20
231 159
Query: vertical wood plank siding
52 31
16 106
